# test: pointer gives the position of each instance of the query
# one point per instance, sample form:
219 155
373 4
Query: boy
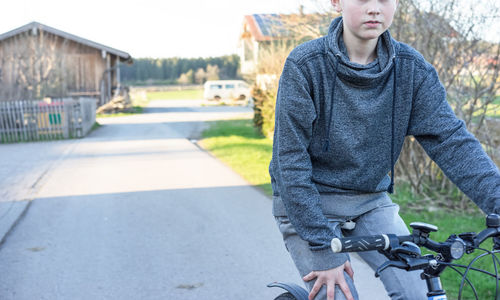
345 104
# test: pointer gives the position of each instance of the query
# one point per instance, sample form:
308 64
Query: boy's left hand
330 278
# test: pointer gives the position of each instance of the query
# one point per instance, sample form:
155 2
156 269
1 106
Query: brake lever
389 263
408 255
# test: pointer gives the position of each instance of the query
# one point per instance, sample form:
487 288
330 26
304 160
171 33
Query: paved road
137 211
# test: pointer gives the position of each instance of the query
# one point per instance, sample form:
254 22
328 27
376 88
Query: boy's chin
369 37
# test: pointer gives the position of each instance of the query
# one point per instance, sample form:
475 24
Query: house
265 40
258 30
38 61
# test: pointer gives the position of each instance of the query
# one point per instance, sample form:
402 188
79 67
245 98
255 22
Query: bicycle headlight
457 249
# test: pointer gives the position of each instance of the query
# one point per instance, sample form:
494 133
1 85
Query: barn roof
124 56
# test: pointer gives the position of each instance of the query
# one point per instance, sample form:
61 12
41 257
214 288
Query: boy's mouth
372 23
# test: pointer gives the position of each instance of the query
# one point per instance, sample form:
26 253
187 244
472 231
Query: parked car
226 89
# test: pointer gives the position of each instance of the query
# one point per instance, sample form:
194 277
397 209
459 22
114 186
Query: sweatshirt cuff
325 259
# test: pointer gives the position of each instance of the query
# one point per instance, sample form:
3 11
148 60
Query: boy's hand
330 278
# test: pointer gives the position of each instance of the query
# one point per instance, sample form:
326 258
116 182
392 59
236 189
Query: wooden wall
41 65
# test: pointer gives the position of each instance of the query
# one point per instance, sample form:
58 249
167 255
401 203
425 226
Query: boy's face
366 19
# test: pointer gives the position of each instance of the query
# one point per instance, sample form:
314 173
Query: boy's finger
309 276
330 292
345 289
349 269
314 290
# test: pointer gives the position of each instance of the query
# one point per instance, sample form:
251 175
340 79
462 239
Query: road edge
18 209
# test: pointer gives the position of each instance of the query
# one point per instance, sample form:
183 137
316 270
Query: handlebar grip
360 243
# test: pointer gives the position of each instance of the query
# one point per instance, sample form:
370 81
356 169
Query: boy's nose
373 8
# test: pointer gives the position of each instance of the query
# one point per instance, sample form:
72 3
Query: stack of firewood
120 103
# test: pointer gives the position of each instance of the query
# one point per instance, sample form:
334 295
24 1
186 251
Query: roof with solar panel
266 27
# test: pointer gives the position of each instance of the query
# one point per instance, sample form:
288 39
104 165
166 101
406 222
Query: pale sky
154 28
147 28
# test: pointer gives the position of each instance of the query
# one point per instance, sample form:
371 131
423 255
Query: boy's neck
360 51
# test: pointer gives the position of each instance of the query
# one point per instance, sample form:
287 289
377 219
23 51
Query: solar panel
270 25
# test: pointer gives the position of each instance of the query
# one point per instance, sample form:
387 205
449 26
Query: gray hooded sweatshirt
340 127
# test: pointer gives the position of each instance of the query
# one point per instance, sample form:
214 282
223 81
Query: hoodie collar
354 72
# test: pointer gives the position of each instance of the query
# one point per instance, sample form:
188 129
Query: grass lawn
141 99
237 143
195 94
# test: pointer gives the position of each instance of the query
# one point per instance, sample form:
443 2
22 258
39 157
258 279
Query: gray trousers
399 284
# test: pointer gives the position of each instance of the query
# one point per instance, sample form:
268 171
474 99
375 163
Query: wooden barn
38 61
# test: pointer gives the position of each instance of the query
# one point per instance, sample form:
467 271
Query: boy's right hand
330 278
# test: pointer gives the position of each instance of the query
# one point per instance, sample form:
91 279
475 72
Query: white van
226 89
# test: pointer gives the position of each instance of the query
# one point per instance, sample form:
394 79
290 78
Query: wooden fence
38 120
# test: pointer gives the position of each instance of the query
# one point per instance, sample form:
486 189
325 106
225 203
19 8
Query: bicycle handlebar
384 242
403 252
360 243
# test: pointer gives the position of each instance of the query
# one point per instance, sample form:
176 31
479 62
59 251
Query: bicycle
404 252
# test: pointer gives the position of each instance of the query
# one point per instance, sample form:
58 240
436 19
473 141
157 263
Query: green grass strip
132 111
196 94
240 146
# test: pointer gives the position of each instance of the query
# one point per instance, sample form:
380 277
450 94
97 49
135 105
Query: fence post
10 123
65 120
2 120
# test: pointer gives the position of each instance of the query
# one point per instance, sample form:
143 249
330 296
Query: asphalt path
137 210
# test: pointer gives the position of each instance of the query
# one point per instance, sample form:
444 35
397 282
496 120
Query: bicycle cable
467 279
469 267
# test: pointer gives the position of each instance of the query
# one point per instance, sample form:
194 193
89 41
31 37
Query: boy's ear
336 5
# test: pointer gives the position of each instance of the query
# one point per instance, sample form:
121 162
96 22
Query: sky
148 28
155 28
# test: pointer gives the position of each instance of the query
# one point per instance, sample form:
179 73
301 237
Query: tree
186 78
183 79
212 72
200 76
170 69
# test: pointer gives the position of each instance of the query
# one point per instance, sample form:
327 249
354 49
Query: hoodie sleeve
295 114
448 143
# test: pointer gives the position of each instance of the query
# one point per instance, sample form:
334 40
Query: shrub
264 107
